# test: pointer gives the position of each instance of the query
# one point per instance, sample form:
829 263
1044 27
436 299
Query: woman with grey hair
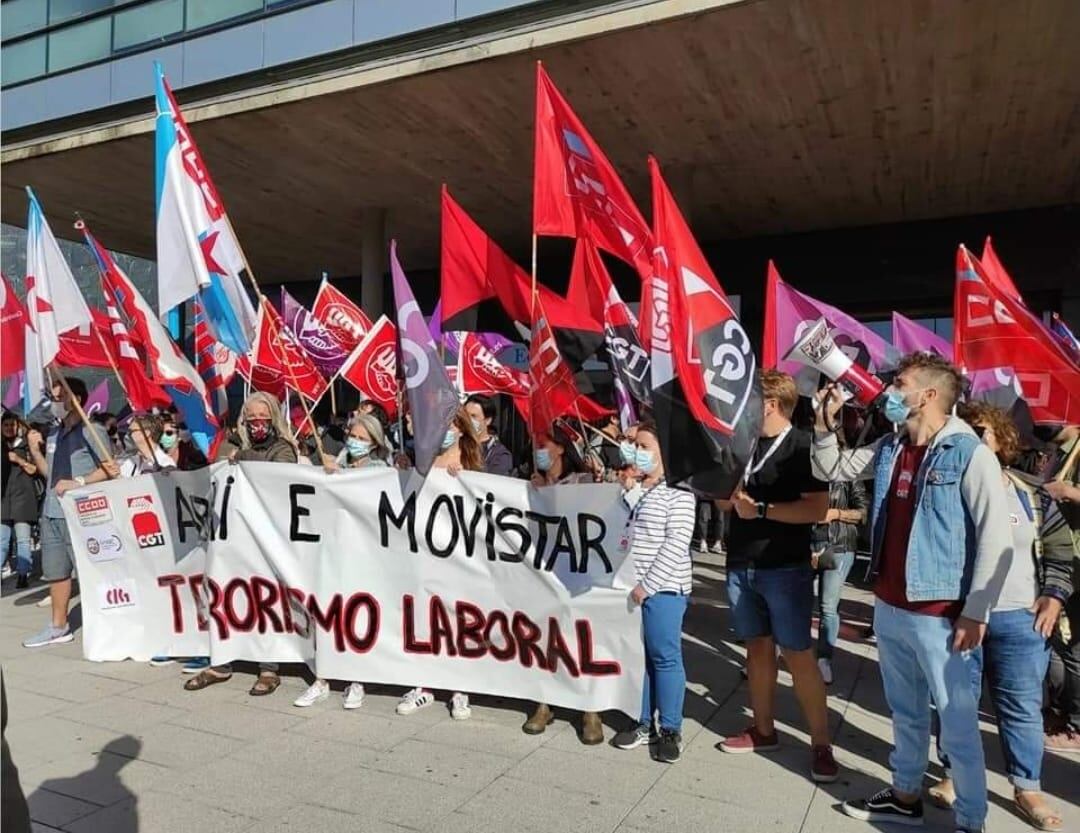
365 448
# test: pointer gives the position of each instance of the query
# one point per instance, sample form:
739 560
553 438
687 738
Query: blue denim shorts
777 603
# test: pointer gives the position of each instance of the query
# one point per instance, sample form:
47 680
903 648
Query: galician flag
53 300
198 255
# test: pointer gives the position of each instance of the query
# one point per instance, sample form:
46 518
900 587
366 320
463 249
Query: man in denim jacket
941 548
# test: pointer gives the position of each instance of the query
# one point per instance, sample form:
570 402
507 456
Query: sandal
204 679
266 684
1041 818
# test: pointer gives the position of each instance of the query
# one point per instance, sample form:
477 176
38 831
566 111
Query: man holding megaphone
941 546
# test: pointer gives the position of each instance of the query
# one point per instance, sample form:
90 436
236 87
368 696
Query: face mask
644 460
168 441
896 407
59 410
259 430
477 427
448 440
358 448
542 458
627 453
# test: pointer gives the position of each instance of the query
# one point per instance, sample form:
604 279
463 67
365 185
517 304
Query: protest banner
473 583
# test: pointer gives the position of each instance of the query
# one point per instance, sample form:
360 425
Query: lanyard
756 467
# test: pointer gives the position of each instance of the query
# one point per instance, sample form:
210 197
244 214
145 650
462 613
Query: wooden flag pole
58 377
1069 463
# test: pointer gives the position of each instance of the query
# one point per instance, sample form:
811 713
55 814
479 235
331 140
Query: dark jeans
1015 657
1064 676
710 523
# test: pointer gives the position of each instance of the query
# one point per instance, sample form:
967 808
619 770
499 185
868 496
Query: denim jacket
961 544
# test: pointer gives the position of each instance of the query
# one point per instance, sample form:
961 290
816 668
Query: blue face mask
449 439
896 408
542 458
627 453
358 448
644 460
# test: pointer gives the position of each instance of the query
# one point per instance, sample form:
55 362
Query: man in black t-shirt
769 578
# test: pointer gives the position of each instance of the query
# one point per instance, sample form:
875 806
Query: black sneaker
885 807
22 582
669 747
634 737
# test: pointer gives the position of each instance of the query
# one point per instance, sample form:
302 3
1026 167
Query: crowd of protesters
970 527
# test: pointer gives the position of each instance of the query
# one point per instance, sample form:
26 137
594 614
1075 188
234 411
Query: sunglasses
168 433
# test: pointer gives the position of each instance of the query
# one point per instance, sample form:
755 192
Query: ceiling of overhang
774 117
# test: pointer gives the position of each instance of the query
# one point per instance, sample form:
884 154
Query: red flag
130 366
705 381
576 191
769 352
995 272
13 323
83 347
276 349
261 378
993 329
484 290
478 371
372 366
347 323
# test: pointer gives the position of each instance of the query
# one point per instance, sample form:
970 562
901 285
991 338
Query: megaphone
817 349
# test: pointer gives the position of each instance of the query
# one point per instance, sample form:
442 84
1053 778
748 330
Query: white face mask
59 410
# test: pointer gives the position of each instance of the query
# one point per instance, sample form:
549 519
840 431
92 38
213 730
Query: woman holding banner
558 461
264 437
145 431
460 451
366 447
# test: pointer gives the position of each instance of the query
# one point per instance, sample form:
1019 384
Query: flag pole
112 364
59 377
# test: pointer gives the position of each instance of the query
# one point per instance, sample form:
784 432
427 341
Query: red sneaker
751 740
1067 740
823 766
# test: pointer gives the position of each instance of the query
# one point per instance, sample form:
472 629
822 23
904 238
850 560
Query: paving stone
627 779
514 803
154 812
57 810
244 787
406 801
235 721
180 747
100 778
306 818
442 764
122 714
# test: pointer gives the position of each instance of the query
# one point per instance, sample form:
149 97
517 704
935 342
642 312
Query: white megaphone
817 349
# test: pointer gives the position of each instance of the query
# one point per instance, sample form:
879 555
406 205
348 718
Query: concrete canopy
770 117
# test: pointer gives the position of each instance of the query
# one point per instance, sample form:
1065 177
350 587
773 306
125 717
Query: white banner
473 583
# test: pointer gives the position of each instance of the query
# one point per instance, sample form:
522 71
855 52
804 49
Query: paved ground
119 748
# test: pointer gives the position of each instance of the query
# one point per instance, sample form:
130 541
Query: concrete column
373 258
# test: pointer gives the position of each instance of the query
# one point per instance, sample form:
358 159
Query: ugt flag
197 251
372 367
317 340
166 364
346 322
433 400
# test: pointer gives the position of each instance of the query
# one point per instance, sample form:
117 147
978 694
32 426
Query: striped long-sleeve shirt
661 526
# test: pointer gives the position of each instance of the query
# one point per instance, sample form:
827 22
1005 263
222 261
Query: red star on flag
207 244
40 304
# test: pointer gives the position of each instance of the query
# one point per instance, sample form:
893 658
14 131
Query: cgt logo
145 522
116 595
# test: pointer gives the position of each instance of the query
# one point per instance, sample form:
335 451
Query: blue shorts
777 603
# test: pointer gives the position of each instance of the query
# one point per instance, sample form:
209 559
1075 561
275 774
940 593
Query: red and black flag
706 391
484 290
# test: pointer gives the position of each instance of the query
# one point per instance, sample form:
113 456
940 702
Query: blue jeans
665 677
777 602
21 530
1016 658
831 582
917 664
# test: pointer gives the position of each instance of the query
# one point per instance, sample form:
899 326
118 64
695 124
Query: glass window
61 10
80 44
22 16
147 23
22 60
202 13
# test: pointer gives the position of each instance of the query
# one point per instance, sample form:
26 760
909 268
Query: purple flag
451 339
98 400
796 311
433 400
13 397
909 337
326 351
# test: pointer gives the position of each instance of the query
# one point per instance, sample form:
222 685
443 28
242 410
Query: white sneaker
316 693
825 667
459 706
414 700
7 571
354 696
44 602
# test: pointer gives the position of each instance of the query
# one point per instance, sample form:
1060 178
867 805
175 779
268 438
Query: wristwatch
762 508
80 480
